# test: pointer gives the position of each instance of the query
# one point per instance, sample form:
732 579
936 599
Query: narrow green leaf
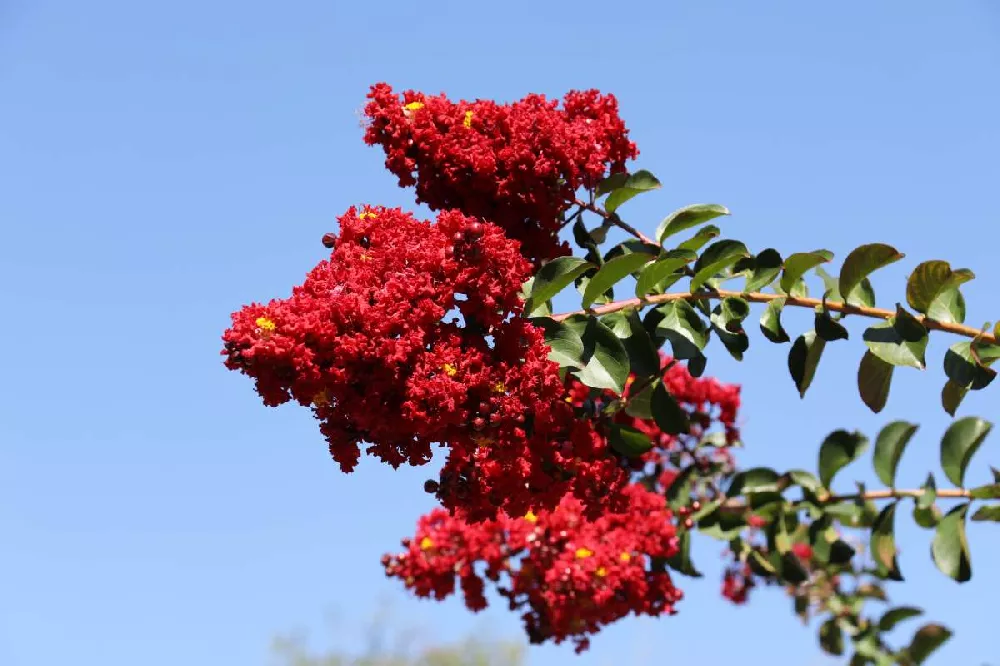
889 447
799 264
886 341
628 441
792 570
805 480
803 358
652 274
950 548
669 415
927 518
553 277
960 443
640 405
828 328
874 380
717 257
644 359
894 616
770 322
929 279
948 307
883 542
951 396
838 450
831 638
766 267
704 235
607 363
688 217
612 272
987 514
862 262
926 641
637 183
989 491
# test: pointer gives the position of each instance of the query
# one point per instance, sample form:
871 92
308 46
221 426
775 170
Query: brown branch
736 505
617 221
758 297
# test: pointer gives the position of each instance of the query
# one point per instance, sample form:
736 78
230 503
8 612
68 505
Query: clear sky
163 163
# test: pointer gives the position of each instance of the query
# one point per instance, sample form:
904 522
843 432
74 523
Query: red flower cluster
365 342
517 165
570 575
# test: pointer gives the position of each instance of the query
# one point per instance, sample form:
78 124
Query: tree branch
759 297
617 221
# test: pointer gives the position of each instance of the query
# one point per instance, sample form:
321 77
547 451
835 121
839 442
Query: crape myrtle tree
583 451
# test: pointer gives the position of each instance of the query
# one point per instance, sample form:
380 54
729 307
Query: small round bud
475 229
330 241
458 237
688 523
479 423
431 486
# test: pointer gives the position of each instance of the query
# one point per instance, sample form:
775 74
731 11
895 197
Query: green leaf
965 368
652 274
683 328
987 513
628 441
716 258
766 267
838 450
754 480
644 359
637 183
703 235
951 396
894 616
828 328
927 518
770 322
862 262
883 542
889 447
805 480
929 279
792 570
610 184
950 548
874 380
681 562
553 277
927 639
989 491
831 638
803 358
948 307
886 340
799 264
640 405
606 360
566 347
669 415
688 217
612 272
960 443
929 496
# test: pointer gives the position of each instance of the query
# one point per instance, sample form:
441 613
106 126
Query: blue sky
163 163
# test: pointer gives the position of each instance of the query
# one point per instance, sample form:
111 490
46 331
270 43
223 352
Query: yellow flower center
601 572
499 387
321 398
583 553
426 543
625 557
468 119
364 257
483 440
449 369
366 214
531 517
265 324
414 106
